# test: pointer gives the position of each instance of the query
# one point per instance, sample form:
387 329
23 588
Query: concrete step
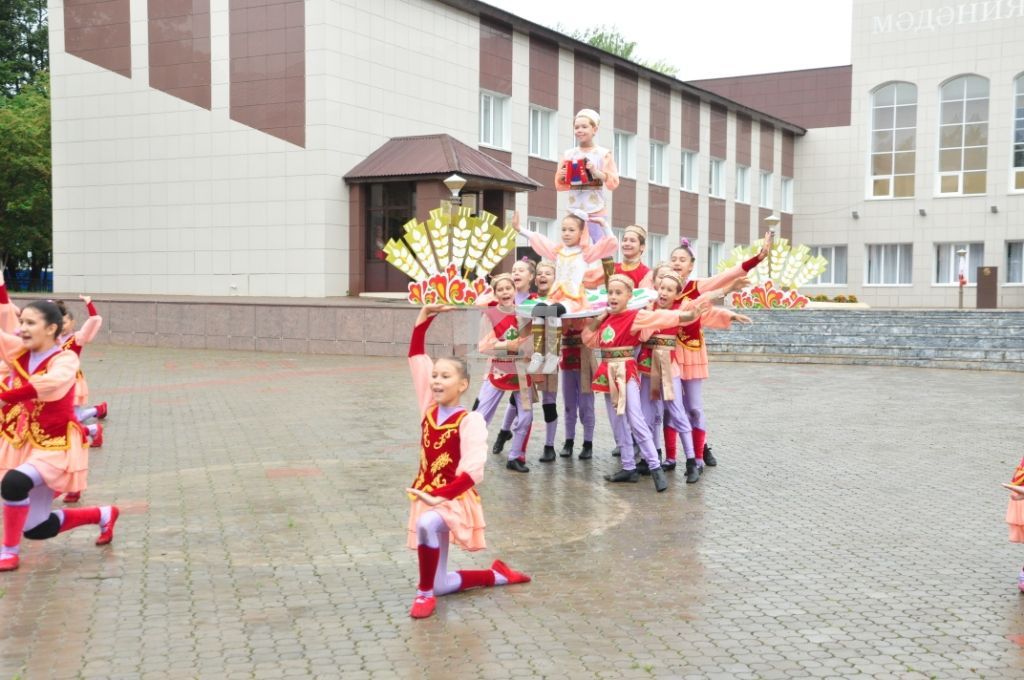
867 361
860 336
894 351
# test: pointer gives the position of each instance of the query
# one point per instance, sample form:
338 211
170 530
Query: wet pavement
853 529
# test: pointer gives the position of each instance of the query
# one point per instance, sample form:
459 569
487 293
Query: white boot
536 363
550 363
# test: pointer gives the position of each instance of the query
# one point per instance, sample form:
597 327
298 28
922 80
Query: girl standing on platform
634 242
691 352
502 338
445 505
617 333
523 273
43 385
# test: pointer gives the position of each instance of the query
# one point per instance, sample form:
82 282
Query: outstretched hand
428 311
766 246
738 285
86 299
515 222
425 497
742 318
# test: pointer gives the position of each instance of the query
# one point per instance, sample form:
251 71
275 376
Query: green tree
26 227
609 39
24 43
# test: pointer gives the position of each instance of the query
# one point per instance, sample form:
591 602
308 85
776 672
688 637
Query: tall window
625 154
387 209
963 136
947 261
542 133
550 228
766 190
714 255
835 274
1018 134
619 233
657 168
787 194
742 184
893 140
655 251
495 120
689 171
716 183
889 264
1015 261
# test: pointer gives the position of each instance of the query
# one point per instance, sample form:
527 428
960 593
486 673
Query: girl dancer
523 273
577 368
76 342
571 258
502 338
445 504
43 385
691 353
617 333
547 383
585 172
634 242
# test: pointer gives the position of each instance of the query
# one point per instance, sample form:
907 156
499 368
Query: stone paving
853 529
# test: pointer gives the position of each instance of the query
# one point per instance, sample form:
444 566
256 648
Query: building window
495 120
688 172
963 136
716 181
657 174
625 154
542 133
889 264
766 190
655 251
714 255
389 206
619 233
947 262
1018 134
549 228
835 274
787 194
742 184
1015 261
893 140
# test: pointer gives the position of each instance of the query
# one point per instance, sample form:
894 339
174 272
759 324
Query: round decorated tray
597 303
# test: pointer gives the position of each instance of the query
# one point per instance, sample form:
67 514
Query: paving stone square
853 529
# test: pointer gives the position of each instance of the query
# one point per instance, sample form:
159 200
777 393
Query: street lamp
772 221
455 184
962 274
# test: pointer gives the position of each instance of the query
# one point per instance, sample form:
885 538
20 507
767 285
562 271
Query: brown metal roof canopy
436 156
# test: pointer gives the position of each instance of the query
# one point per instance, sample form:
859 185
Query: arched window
893 140
1018 133
963 135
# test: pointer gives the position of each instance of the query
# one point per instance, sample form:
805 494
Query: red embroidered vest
506 327
637 273
440 450
42 424
615 335
691 335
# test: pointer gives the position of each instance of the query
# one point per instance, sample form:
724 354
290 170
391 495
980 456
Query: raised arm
606 247
421 365
92 325
540 243
9 311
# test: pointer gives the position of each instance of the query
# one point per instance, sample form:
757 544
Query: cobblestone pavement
853 529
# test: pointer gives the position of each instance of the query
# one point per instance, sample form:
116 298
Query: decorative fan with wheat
449 256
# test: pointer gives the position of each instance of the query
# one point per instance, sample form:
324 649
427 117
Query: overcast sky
709 39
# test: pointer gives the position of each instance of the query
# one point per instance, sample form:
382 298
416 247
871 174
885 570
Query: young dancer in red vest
445 504
43 384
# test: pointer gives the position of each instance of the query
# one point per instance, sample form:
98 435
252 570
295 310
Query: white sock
92 429
104 515
424 593
499 580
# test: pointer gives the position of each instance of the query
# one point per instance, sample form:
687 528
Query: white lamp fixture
455 184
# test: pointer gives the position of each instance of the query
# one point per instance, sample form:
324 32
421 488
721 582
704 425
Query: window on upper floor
893 140
742 184
495 120
658 175
963 136
1018 134
766 190
948 263
715 249
655 251
542 133
688 174
787 195
716 178
625 154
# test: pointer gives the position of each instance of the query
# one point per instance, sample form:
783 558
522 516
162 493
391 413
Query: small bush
839 298
851 298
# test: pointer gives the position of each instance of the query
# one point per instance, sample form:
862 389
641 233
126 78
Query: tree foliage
610 39
26 225
24 43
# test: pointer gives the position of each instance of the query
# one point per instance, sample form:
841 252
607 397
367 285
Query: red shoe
101 410
9 562
73 497
107 530
509 573
97 439
422 607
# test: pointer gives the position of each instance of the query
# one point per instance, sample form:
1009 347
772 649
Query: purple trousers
693 402
634 420
550 427
674 414
576 403
490 397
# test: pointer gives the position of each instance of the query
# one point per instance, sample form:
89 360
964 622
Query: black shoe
692 471
669 465
499 443
549 454
517 465
709 458
616 452
566 451
660 479
642 467
623 476
588 451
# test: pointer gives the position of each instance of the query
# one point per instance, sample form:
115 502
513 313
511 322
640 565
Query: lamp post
962 275
455 184
772 221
